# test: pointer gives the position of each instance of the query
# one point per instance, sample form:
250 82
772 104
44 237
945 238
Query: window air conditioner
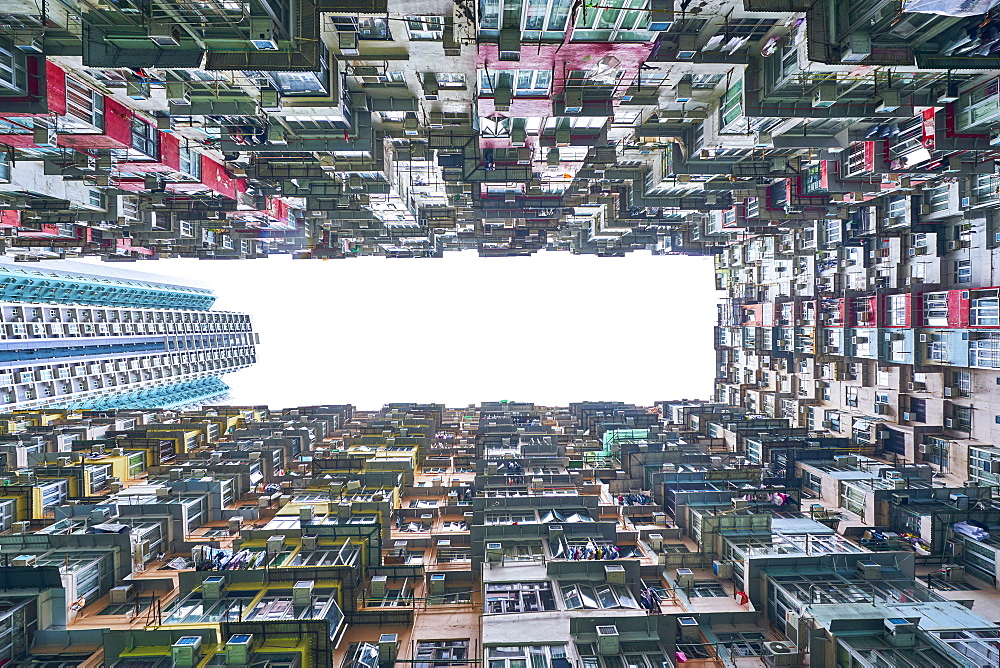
348 43
262 35
573 101
608 640
949 423
683 92
164 34
825 95
430 85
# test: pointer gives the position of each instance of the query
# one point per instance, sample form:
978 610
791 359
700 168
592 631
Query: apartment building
503 534
336 129
82 335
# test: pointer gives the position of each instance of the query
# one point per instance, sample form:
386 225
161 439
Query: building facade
599 534
82 335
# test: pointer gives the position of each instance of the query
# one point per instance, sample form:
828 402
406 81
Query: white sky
550 329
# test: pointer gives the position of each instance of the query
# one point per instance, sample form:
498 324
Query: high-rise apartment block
83 335
505 535
334 128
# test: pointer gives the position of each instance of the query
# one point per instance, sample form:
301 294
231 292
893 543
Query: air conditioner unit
688 627
186 652
494 553
501 98
239 649
949 423
907 416
889 102
302 594
177 93
563 137
857 48
825 95
348 43
608 640
510 44
377 587
24 560
430 86
722 569
262 34
437 582
120 594
954 245
901 632
573 101
684 577
781 654
687 46
683 92
655 541
436 120
869 570
310 541
388 648
881 409
827 424
164 34
614 574
212 587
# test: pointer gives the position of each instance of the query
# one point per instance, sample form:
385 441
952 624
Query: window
450 79
961 418
705 81
919 409
190 162
361 655
367 28
598 597
13 72
546 19
425 27
441 653
494 127
504 597
984 350
530 656
523 83
895 307
84 107
145 138
962 381
963 271
936 309
531 83
937 348
731 106
614 21
985 309
707 589
96 198
852 396
300 83
386 79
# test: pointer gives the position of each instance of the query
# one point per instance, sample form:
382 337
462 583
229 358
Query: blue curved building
81 335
